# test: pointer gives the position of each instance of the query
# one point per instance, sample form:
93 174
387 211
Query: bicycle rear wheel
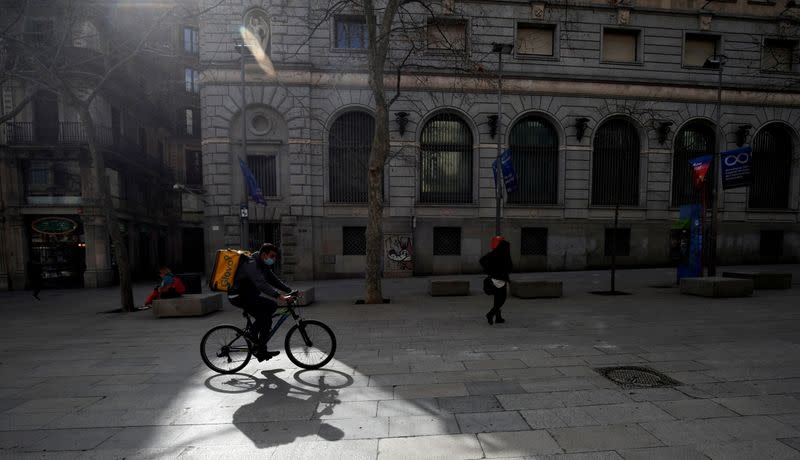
310 345
224 349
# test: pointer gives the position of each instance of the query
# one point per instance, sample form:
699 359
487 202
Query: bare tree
48 63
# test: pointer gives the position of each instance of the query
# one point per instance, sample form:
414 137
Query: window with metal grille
534 153
194 168
615 164
535 39
446 161
621 45
533 241
692 141
354 241
772 168
447 241
263 168
447 34
351 32
349 142
618 241
779 55
771 248
699 47
40 31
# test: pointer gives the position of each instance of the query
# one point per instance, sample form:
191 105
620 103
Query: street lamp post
500 49
243 209
716 61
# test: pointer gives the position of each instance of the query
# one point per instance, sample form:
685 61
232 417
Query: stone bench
305 297
187 305
536 289
439 288
764 280
717 286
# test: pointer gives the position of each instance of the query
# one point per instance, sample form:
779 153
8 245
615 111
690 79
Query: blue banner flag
737 167
509 175
252 185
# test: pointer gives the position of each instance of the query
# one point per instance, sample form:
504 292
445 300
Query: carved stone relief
257 22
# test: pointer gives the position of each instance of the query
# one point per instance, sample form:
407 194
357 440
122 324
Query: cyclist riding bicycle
253 278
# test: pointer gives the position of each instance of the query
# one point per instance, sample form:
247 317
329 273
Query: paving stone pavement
418 378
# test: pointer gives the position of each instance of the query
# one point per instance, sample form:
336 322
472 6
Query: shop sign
54 225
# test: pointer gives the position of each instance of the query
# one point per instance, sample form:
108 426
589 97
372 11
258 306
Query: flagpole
244 237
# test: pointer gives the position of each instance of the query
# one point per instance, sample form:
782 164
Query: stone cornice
540 86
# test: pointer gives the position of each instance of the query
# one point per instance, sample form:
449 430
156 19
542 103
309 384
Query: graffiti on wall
399 253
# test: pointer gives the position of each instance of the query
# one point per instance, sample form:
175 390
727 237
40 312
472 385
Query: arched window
446 161
350 140
615 164
534 153
772 168
693 140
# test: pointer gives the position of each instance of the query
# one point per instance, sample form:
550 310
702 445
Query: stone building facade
49 208
603 104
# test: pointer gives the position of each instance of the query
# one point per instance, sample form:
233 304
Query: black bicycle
309 344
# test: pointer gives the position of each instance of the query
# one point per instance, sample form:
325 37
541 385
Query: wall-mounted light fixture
741 134
492 125
402 121
580 127
664 129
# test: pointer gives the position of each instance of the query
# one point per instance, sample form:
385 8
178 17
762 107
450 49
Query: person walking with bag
497 265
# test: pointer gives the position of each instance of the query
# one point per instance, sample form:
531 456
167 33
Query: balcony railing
74 134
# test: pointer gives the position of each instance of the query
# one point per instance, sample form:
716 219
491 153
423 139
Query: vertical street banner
509 175
700 166
252 185
737 168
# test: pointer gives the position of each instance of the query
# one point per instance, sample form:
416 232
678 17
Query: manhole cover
636 377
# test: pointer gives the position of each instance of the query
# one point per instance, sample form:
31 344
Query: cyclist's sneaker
264 355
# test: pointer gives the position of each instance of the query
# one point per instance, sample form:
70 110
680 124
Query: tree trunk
377 159
103 194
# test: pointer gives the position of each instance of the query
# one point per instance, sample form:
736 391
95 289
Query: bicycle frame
289 311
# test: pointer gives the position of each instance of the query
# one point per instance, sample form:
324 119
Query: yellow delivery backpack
226 263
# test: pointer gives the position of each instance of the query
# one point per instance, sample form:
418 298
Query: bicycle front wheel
224 349
310 345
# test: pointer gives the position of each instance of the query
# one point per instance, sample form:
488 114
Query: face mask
270 261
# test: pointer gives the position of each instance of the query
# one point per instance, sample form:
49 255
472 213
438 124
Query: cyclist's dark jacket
254 277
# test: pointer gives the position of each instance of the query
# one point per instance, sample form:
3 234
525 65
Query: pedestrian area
418 378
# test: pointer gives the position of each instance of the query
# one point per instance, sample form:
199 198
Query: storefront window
57 244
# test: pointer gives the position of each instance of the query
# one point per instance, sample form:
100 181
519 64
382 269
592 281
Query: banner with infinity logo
737 168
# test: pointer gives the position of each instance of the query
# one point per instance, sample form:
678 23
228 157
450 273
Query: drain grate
637 377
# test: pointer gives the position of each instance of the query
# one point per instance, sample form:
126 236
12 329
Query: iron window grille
351 32
446 161
265 171
618 241
533 241
447 241
692 141
772 168
534 153
350 140
615 164
354 241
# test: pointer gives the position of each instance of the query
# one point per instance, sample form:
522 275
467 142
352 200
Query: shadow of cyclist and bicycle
285 411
